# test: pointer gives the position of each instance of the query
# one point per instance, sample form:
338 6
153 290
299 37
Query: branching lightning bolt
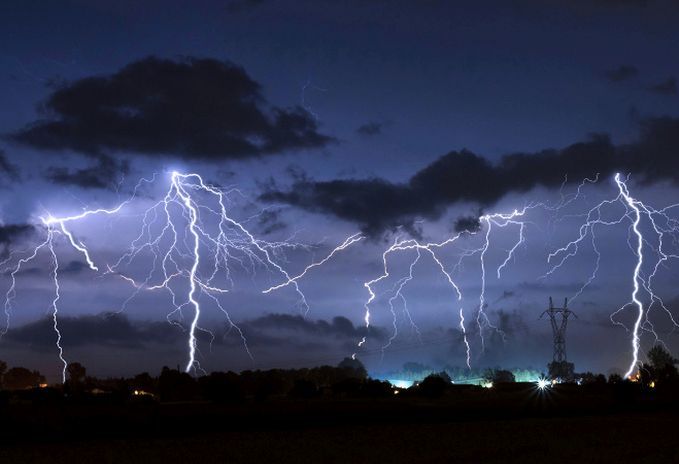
194 241
183 244
635 212
633 204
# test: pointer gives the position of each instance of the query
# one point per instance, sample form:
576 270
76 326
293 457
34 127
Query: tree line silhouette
349 379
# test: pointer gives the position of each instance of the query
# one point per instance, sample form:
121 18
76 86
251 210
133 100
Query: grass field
639 438
567 424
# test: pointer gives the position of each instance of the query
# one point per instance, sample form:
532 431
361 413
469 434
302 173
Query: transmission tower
559 367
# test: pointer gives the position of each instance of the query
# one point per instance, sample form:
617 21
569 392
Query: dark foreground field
639 439
488 427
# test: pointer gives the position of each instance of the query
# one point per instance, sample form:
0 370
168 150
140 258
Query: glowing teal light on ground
401 383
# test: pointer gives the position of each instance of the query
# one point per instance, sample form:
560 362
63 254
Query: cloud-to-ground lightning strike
433 250
636 219
634 211
659 223
189 235
53 227
194 247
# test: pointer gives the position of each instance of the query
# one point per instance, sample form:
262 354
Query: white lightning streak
632 203
348 242
173 231
635 211
405 245
193 218
55 309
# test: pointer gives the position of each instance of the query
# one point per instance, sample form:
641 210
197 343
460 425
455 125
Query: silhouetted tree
144 382
263 384
18 378
304 389
614 379
590 378
661 359
272 382
75 374
444 375
498 376
247 382
350 387
353 368
328 375
433 385
661 370
221 387
373 388
176 386
3 369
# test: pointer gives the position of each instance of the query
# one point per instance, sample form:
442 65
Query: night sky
323 119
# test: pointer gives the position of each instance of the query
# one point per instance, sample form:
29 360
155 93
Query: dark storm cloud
105 173
467 224
622 73
269 221
116 330
12 233
288 333
463 176
7 169
196 108
339 326
353 200
104 329
370 129
73 267
667 87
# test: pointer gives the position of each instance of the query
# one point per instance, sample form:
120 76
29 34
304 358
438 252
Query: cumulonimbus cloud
115 329
7 169
191 108
10 234
462 176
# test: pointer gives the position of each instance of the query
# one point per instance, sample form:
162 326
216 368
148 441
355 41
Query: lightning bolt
193 229
55 309
10 295
635 212
433 250
633 204
293 280
400 245
194 241
180 234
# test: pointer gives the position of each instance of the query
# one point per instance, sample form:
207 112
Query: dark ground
563 425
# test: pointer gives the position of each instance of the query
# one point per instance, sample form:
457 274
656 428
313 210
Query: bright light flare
542 384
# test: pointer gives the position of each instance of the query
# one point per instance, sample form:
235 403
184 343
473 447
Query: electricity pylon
559 367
